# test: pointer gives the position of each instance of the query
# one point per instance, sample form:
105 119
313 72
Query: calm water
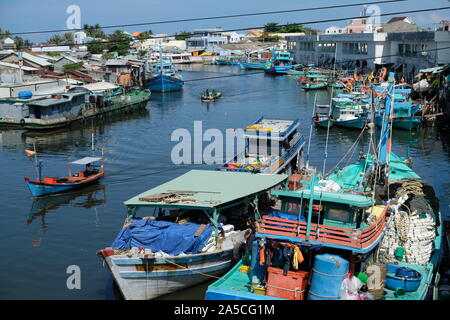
40 239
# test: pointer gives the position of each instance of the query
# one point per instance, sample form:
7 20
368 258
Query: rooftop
328 196
209 189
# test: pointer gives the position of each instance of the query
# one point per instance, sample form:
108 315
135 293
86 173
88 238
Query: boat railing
325 234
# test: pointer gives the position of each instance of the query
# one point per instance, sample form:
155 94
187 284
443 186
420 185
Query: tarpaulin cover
171 238
287 216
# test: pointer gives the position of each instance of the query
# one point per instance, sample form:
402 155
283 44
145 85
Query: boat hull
354 123
144 279
253 65
404 123
323 123
278 70
39 189
164 83
318 86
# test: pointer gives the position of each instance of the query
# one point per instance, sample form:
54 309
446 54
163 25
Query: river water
39 240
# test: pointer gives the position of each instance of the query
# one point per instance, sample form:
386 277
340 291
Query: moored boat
369 231
280 63
45 185
184 235
271 146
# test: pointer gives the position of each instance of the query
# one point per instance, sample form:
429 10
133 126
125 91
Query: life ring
22 122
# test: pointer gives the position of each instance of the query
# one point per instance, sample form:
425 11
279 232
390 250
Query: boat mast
386 130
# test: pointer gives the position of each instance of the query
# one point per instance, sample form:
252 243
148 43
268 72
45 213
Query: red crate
290 286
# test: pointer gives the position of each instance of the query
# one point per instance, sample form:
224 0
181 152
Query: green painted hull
356 123
316 86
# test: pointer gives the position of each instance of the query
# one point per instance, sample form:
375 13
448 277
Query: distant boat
164 76
44 185
280 63
209 96
322 117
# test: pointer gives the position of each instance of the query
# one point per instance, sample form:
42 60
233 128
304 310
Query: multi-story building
405 52
203 38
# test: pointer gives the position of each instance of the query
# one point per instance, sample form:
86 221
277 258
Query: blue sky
31 15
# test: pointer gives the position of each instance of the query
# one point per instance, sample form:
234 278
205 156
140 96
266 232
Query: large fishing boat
163 76
185 231
59 110
369 231
280 63
271 146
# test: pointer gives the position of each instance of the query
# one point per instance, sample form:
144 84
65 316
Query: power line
242 29
214 17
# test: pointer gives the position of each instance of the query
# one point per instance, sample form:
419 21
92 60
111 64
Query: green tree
21 43
107 55
182 35
96 46
272 27
4 33
68 38
119 42
94 31
56 39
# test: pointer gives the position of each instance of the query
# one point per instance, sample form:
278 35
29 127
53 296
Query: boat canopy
86 160
206 189
351 199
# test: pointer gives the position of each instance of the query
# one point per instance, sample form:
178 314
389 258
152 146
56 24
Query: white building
405 52
203 38
335 30
233 37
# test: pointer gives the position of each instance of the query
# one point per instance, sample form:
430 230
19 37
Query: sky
37 15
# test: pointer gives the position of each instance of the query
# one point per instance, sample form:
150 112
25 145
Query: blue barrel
25 94
328 273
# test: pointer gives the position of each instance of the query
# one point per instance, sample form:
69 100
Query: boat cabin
271 146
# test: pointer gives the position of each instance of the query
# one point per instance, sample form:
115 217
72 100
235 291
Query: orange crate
291 286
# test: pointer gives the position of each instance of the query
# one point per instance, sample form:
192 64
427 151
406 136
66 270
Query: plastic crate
290 286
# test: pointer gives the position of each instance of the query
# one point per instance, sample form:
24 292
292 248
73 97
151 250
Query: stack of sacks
210 245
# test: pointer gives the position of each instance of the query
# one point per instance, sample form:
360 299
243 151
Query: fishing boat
280 63
271 146
163 76
322 116
369 231
78 104
178 235
313 81
209 96
45 185
349 113
404 111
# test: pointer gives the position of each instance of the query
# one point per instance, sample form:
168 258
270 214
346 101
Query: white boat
179 58
146 262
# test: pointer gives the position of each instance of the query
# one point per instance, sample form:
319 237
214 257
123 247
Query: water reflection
88 197
65 139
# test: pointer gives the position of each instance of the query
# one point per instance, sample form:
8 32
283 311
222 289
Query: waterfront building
405 52
203 38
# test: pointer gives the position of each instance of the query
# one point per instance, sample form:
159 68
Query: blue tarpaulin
288 216
171 238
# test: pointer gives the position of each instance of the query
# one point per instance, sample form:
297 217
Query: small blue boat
45 186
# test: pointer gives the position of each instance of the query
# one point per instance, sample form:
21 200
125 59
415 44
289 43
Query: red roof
397 19
135 34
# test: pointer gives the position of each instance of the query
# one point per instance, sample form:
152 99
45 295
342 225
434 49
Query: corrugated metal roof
211 189
35 59
16 66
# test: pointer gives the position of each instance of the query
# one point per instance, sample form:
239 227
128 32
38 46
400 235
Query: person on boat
250 236
213 93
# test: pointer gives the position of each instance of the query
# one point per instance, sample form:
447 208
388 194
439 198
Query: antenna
310 131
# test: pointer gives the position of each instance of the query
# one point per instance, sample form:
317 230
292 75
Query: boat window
338 214
292 208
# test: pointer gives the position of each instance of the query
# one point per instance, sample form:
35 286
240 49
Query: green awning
209 189
328 196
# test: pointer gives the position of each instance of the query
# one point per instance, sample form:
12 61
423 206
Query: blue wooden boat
45 185
257 64
338 215
164 77
280 63
349 113
403 115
